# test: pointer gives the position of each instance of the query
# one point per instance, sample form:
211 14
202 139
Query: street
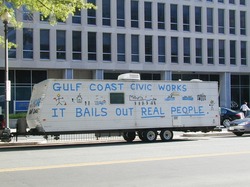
186 161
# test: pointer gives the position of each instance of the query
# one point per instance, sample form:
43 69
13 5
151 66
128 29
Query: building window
59 20
148 15
232 21
77 45
76 18
231 1
186 18
174 49
106 13
186 50
161 49
221 1
210 28
106 46
232 52
174 17
91 14
27 15
161 15
120 13
28 43
23 84
150 76
221 21
242 2
135 48
44 44
243 51
91 46
121 47
210 51
198 19
12 38
148 49
60 44
221 52
38 76
134 14
198 50
242 22
42 18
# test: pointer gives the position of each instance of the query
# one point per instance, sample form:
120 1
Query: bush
17 115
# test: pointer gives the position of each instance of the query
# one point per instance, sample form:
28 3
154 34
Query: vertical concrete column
98 74
225 89
68 74
166 75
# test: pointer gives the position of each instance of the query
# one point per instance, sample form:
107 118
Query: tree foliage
53 9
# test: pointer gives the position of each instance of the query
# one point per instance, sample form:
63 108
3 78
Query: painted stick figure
59 100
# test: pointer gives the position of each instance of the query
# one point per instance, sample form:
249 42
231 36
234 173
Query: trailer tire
149 135
166 135
129 136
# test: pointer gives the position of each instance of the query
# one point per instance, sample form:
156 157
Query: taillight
240 115
3 124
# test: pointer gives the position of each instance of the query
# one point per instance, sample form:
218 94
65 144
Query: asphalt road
186 161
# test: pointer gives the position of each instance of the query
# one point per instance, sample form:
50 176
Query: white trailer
129 108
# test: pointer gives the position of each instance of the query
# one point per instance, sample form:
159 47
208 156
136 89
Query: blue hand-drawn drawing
172 96
135 98
100 100
140 100
187 98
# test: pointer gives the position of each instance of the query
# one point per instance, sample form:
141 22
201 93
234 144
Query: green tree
53 9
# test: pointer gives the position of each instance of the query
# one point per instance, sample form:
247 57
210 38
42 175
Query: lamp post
5 17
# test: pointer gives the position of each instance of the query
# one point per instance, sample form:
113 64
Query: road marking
2 170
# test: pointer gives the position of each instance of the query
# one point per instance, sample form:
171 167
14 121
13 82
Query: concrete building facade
161 40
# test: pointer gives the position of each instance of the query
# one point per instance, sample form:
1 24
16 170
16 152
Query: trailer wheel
129 136
166 135
149 135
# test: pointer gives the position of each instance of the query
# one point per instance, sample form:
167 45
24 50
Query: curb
17 144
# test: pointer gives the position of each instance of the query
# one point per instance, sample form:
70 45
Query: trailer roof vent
196 80
129 76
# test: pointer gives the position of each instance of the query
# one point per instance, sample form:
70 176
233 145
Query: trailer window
117 98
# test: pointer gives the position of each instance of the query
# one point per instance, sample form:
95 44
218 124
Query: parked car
227 115
240 126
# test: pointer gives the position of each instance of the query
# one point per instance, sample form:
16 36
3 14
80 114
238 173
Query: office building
160 39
